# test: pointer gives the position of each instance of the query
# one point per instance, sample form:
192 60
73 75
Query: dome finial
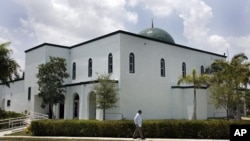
152 23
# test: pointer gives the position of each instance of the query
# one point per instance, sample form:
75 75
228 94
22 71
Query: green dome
158 34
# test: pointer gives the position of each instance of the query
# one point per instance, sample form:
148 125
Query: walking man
138 125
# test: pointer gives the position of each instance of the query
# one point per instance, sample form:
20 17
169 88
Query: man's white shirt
138 120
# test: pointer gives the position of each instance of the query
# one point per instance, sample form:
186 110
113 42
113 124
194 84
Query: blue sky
220 26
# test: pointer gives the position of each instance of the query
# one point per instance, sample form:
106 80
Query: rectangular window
8 103
29 93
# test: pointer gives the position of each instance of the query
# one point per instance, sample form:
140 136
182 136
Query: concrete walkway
4 133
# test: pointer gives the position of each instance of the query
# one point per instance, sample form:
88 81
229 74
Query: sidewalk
2 133
102 138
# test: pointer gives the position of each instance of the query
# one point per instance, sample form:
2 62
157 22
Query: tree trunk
194 110
50 111
103 115
104 109
237 112
227 113
238 107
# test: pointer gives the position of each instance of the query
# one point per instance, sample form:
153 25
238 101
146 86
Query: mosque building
145 66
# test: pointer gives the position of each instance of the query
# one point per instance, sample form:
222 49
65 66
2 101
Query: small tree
221 85
51 77
197 81
106 92
8 66
233 77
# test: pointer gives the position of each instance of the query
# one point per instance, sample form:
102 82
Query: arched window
90 68
29 93
183 69
74 71
110 63
131 63
162 67
202 69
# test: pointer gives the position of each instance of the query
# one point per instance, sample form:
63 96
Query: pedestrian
138 125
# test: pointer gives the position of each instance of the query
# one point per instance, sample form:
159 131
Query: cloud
196 16
7 37
4 33
68 22
240 45
132 3
218 44
161 8
132 17
63 22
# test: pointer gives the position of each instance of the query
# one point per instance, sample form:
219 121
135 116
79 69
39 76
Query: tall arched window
90 68
74 71
29 93
183 69
202 69
131 63
110 63
76 106
162 67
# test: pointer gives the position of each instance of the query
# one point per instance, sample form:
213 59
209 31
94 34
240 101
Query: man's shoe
143 138
134 137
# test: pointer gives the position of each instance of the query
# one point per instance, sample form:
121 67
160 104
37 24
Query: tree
9 67
197 81
106 92
51 77
229 87
220 87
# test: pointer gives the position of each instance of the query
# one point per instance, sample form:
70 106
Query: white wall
98 51
182 103
33 59
214 112
18 99
147 90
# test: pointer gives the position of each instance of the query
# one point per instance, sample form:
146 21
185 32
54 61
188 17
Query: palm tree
197 81
9 67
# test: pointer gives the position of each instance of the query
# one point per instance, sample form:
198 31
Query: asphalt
4 134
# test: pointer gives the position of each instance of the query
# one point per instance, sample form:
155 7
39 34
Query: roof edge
12 81
127 33
187 87
98 38
43 44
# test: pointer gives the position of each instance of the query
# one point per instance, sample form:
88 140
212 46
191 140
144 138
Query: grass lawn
22 136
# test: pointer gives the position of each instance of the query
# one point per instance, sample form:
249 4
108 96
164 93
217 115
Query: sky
219 26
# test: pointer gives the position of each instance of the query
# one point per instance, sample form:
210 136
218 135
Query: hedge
205 129
7 115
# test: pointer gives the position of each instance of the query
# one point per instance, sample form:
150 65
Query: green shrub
207 129
9 114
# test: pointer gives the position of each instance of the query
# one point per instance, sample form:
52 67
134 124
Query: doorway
76 106
92 105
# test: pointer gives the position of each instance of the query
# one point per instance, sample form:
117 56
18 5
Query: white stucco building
146 67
